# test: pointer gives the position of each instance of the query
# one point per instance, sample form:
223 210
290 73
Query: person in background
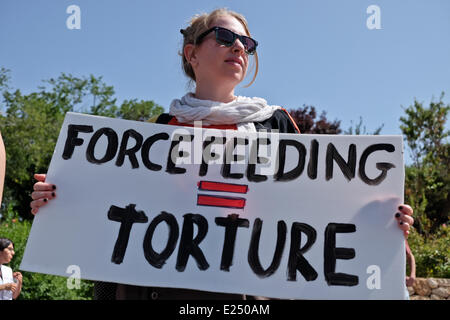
10 282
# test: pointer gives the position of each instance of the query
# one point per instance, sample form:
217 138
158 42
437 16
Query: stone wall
430 289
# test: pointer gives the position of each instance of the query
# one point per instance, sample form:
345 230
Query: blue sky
317 53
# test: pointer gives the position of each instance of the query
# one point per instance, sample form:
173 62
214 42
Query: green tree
4 78
138 110
428 178
88 95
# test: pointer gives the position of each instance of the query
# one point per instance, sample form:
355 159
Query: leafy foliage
4 78
428 179
138 110
432 253
305 118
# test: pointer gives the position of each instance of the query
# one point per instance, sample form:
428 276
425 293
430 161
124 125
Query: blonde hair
202 22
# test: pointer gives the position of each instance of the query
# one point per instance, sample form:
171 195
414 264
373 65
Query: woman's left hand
404 218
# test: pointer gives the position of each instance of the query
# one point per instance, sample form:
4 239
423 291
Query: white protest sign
313 218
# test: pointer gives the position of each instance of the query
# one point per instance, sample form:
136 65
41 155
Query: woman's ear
190 54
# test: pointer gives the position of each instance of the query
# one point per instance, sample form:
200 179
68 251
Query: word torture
190 245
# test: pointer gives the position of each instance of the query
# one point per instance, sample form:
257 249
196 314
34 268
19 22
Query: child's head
6 250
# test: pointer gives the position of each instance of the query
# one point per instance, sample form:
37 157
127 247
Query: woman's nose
238 46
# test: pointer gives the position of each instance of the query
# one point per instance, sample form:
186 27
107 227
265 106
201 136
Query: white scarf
242 111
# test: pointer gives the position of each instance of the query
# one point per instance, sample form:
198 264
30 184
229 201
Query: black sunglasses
227 38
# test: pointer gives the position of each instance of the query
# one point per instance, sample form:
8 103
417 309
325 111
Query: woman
10 283
215 55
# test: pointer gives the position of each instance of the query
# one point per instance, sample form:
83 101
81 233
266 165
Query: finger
404 226
38 203
42 194
42 186
40 177
34 211
406 209
404 218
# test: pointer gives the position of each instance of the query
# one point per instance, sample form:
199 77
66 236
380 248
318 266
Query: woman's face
218 64
7 254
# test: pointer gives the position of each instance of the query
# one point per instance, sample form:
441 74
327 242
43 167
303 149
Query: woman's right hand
9 286
43 192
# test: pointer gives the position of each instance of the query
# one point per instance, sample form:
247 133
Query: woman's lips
233 62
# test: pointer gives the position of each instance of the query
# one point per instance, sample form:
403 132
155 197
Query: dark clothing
129 292
104 290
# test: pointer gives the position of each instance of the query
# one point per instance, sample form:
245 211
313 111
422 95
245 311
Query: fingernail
45 200
397 215
54 187
401 222
53 194
400 208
